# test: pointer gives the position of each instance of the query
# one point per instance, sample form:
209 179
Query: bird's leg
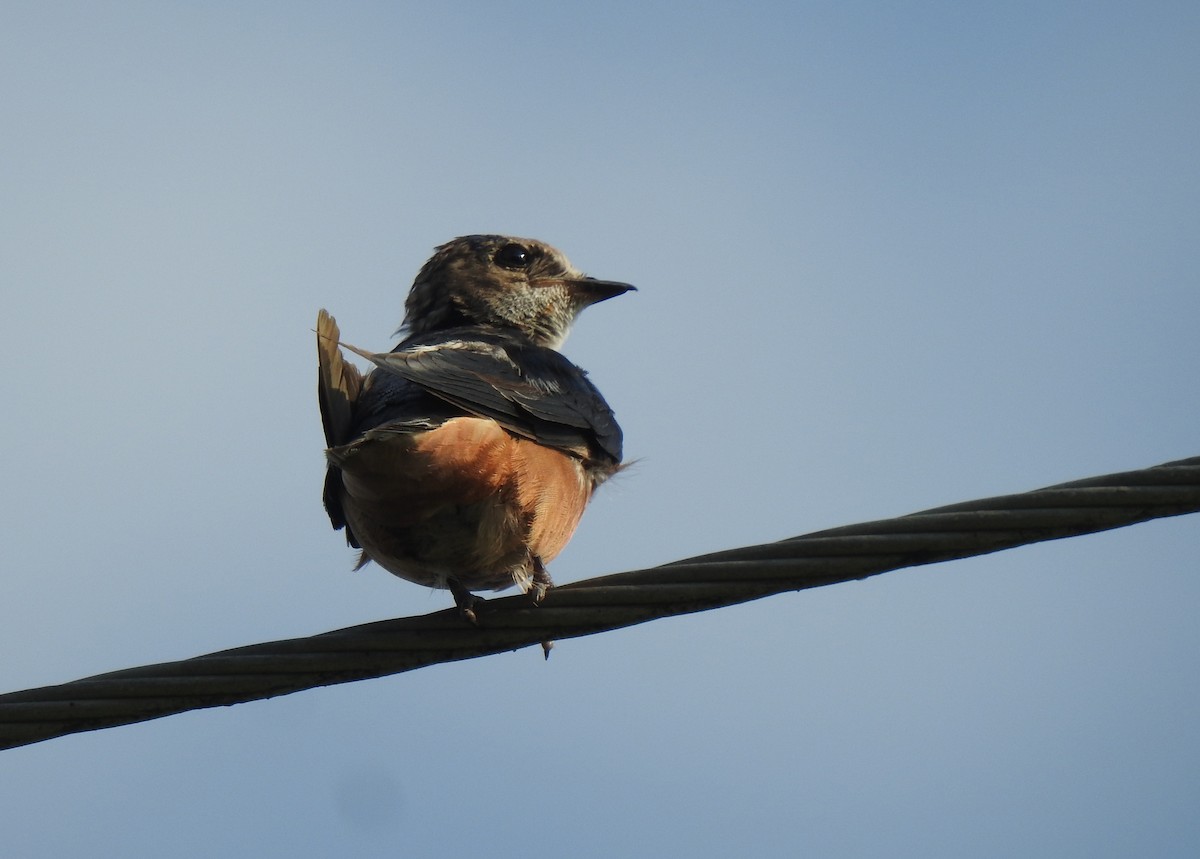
541 584
464 599
541 581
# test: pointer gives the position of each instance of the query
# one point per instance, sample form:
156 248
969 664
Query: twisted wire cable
595 605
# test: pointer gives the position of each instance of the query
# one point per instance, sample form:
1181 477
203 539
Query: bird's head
521 285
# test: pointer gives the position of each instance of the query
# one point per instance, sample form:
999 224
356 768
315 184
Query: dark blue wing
529 390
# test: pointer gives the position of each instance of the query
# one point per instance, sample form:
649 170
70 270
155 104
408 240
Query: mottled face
519 284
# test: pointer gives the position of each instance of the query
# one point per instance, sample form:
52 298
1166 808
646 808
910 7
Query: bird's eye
513 255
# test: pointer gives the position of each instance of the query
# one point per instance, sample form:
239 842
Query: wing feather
530 390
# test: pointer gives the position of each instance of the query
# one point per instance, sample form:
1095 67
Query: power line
595 605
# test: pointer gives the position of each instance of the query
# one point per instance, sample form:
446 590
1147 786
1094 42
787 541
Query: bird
465 458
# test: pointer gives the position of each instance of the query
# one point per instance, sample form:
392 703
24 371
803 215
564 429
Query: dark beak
593 291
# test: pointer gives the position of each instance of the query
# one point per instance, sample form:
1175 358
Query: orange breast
544 487
466 499
552 492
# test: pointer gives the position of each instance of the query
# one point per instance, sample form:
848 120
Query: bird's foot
541 581
465 600
541 584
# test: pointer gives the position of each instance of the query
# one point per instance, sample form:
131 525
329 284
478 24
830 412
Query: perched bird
465 459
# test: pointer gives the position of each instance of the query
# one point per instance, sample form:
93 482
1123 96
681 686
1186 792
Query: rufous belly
466 500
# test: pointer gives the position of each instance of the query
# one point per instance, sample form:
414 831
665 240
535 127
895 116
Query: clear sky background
890 256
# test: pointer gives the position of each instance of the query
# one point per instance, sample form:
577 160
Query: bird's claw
466 601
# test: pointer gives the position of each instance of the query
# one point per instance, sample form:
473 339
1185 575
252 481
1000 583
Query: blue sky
889 256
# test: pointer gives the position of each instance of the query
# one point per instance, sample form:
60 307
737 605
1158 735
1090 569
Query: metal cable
609 602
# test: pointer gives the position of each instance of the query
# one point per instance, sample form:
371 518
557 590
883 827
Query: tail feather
338 387
338 383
